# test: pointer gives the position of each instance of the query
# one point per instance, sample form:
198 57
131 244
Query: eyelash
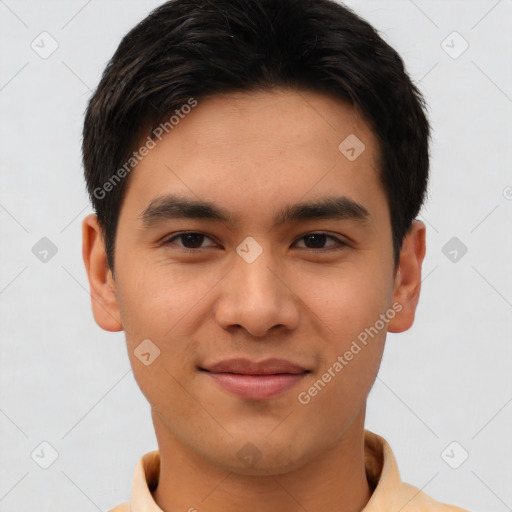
169 241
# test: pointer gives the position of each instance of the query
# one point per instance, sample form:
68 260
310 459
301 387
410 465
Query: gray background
66 382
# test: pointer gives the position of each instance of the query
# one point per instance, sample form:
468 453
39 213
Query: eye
192 240
317 240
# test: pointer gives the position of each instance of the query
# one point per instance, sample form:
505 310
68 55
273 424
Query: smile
256 387
256 380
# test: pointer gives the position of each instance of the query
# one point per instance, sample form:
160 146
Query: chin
262 467
258 458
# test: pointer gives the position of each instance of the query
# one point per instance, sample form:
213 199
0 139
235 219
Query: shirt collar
388 491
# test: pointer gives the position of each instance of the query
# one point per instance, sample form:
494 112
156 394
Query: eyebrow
168 207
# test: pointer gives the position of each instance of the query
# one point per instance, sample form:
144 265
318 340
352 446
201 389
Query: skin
253 153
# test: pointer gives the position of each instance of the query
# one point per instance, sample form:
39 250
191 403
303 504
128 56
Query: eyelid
169 240
340 240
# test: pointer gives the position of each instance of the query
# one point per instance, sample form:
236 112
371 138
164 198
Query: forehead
269 122
270 148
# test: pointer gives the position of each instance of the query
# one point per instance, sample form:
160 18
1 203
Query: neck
333 480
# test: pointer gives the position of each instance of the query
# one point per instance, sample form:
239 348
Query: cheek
348 300
160 304
154 296
350 308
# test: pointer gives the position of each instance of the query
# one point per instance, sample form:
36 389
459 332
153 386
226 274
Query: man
256 167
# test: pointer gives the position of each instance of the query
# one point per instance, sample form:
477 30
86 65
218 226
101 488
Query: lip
248 367
256 380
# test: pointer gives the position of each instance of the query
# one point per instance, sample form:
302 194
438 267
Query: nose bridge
252 275
255 298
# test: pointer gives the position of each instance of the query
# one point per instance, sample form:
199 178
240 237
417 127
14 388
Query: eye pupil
187 237
318 237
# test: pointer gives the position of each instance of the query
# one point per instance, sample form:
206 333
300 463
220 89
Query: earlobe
408 278
103 291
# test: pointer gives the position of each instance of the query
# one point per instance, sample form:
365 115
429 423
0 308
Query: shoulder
124 507
414 500
389 491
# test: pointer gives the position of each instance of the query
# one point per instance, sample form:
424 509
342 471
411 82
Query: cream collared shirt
390 493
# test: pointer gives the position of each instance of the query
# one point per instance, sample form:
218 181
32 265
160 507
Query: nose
257 297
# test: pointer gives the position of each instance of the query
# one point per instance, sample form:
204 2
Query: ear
103 291
408 277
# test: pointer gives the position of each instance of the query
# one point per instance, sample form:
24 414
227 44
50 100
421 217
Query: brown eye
190 240
318 240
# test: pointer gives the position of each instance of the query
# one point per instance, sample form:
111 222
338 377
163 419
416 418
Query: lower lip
256 387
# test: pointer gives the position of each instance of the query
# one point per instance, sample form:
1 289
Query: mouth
256 380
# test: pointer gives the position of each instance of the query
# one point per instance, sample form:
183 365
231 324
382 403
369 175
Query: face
250 276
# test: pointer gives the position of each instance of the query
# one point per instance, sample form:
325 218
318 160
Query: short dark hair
198 48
